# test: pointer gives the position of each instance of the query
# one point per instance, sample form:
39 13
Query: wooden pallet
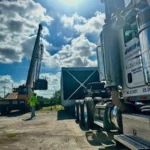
131 142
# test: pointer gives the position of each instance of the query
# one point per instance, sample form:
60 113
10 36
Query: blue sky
71 29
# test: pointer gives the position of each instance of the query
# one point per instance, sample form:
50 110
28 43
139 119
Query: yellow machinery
20 96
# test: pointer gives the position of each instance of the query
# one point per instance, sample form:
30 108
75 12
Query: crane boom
21 95
32 68
38 63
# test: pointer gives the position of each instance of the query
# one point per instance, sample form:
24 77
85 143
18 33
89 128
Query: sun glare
71 2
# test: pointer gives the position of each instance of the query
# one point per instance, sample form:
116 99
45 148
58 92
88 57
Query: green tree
56 98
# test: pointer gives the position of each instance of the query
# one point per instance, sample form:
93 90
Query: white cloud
7 82
83 25
67 39
45 31
76 54
19 20
83 46
70 21
93 25
10 53
67 21
28 45
53 84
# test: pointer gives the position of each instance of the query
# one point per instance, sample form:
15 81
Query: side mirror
131 32
128 33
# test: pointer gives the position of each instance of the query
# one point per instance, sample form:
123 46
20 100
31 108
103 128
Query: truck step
132 142
99 123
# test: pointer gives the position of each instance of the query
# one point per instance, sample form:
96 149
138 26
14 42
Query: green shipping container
73 82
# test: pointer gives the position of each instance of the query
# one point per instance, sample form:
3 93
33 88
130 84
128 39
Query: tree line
54 100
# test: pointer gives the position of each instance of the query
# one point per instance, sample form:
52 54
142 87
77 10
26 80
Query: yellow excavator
18 99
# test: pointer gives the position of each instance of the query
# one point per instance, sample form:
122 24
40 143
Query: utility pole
4 90
12 87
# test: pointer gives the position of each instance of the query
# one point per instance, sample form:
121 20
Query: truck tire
8 111
81 112
23 109
89 107
97 100
3 111
77 110
26 108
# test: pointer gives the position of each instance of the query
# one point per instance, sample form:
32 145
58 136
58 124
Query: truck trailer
124 64
73 83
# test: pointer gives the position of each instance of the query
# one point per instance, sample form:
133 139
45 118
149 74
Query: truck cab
124 63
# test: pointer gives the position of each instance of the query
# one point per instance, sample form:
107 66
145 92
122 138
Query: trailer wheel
7 111
85 113
81 112
3 111
26 108
77 110
23 109
89 107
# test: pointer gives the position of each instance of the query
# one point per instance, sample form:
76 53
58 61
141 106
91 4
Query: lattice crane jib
35 63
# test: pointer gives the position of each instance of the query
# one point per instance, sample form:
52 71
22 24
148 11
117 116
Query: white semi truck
124 63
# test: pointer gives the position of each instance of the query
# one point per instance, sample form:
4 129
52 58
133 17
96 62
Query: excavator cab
24 93
23 90
41 84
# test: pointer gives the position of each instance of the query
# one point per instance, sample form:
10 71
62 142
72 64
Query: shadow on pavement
13 114
82 127
101 138
63 114
28 119
95 137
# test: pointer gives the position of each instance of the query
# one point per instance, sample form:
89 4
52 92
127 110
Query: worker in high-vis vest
33 101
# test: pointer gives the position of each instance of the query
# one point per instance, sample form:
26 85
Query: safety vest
33 101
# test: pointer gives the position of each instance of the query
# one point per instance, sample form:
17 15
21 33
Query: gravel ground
50 130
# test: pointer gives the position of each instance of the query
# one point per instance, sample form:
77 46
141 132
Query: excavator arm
33 80
32 68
